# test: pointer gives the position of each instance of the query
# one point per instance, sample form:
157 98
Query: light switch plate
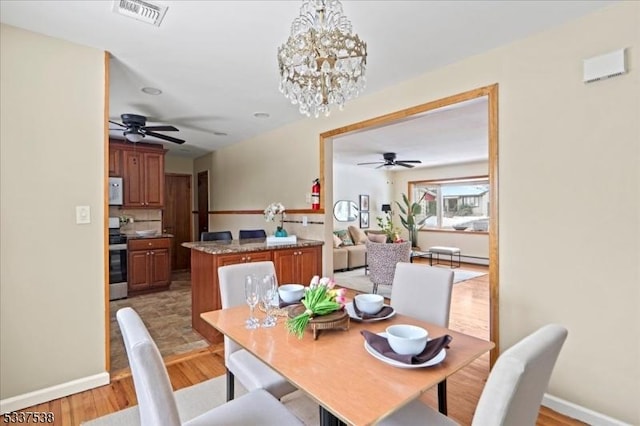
83 215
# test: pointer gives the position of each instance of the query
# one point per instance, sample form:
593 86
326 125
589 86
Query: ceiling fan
135 129
389 160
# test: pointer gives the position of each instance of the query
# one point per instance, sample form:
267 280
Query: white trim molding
29 399
578 412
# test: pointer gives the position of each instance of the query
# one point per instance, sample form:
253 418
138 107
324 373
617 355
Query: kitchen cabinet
294 264
297 265
232 259
141 166
143 179
115 160
149 264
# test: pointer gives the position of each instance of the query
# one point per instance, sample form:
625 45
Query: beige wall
567 148
568 152
52 270
177 164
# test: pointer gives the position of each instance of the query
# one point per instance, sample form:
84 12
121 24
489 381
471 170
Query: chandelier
322 63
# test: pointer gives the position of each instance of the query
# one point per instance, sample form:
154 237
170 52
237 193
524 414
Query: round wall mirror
345 211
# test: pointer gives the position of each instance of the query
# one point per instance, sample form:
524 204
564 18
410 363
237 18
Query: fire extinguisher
315 195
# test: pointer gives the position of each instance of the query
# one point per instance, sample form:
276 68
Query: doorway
491 92
176 218
203 202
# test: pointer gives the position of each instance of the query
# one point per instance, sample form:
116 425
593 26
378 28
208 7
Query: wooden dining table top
337 371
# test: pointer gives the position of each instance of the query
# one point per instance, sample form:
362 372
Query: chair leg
230 385
442 397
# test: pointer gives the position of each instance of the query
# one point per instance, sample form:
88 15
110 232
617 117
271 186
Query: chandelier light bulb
322 63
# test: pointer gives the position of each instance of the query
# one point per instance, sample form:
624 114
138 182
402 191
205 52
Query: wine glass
268 293
251 292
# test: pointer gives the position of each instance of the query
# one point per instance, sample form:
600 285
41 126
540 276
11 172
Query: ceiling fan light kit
322 63
135 129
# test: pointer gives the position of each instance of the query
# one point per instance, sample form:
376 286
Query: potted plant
408 217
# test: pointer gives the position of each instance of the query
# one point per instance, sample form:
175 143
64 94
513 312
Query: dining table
349 383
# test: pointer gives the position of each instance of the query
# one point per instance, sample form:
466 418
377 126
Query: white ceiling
215 61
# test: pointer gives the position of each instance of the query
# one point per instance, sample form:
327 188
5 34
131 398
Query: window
454 203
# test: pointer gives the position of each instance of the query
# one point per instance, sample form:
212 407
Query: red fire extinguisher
315 195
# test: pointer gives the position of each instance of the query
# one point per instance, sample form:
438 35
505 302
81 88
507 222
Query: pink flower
314 281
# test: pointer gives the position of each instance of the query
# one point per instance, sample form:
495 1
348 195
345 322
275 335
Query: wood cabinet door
115 161
160 268
309 264
138 270
153 179
286 266
133 174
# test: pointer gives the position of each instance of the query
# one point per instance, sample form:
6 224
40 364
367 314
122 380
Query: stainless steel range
117 261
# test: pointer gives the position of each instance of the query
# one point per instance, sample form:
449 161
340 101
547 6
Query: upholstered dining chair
424 292
382 259
252 233
216 236
250 371
156 401
514 389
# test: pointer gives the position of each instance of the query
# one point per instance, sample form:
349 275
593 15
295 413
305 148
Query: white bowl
147 233
290 293
369 303
407 339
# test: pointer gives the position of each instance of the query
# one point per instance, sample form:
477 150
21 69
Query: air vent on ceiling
141 10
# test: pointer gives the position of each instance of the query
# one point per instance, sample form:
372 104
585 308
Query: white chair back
422 292
156 402
513 393
231 282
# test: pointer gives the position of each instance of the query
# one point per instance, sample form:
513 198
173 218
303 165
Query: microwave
116 194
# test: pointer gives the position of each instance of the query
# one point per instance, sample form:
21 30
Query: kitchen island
295 263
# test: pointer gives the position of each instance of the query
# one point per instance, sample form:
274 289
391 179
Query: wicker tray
338 320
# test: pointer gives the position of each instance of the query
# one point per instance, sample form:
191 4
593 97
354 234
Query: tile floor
167 315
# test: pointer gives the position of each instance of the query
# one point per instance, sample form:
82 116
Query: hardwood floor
468 312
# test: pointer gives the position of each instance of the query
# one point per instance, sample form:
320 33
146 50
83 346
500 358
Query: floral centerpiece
320 298
270 214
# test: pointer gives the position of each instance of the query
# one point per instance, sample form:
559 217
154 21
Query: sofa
349 248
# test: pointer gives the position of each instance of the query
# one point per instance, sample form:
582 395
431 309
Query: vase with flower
270 214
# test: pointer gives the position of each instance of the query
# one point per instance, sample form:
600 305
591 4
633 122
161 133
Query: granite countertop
135 236
247 245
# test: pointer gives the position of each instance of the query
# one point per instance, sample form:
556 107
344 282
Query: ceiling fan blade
404 164
380 166
161 128
409 161
165 137
375 162
121 125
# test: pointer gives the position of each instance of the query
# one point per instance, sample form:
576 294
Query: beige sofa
349 249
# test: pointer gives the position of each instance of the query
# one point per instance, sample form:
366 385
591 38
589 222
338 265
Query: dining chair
252 233
216 236
156 400
424 292
382 259
514 389
250 371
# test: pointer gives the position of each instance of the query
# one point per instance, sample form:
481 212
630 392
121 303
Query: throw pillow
357 235
337 242
378 238
343 234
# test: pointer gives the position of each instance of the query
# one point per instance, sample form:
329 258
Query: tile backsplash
149 219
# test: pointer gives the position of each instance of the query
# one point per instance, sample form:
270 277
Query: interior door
176 217
203 202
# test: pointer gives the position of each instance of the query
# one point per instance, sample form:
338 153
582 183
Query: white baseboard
578 412
54 392
473 259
